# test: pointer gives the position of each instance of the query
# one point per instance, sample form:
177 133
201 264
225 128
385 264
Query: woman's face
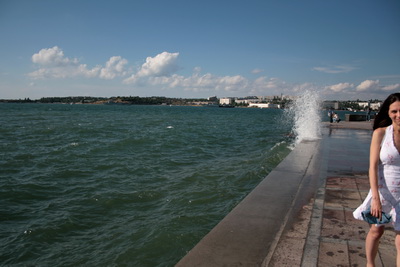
394 112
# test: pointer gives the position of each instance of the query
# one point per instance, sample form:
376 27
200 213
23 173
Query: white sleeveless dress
388 181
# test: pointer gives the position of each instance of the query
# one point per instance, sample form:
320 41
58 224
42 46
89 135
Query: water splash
305 113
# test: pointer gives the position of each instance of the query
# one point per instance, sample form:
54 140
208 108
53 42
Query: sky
342 49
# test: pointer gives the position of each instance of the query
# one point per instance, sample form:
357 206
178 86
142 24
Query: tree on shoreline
119 100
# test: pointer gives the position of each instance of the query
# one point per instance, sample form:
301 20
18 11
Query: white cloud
365 90
62 72
114 67
206 82
83 70
268 86
53 64
257 71
391 87
299 88
52 56
276 86
238 85
335 69
368 85
231 83
340 87
158 72
163 64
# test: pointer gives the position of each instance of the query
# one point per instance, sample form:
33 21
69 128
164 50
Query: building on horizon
227 101
264 105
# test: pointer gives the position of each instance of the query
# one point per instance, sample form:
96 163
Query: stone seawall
252 229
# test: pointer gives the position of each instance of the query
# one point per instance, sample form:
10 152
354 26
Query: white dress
388 181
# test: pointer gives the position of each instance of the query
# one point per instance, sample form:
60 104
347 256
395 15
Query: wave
306 116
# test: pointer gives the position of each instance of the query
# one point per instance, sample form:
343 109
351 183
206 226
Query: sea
127 185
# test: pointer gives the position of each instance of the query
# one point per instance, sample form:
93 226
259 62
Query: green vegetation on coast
282 102
121 100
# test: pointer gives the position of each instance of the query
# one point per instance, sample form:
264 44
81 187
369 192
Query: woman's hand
376 208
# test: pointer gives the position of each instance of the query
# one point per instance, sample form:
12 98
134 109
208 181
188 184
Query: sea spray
305 114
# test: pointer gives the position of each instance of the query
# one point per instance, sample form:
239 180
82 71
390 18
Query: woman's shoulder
379 134
380 131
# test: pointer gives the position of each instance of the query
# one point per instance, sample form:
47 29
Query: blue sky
344 49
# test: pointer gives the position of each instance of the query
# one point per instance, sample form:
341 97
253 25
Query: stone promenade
325 232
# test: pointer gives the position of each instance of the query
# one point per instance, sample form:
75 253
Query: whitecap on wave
277 145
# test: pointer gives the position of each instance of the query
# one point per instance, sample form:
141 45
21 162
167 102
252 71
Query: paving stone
341 182
342 198
387 254
356 229
357 255
333 254
288 253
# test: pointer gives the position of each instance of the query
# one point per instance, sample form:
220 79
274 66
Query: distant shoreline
120 100
351 106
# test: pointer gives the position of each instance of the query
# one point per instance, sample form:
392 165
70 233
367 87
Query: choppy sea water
100 185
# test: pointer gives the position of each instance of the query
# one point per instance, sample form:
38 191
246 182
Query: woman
384 176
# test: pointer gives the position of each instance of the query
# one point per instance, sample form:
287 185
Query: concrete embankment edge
247 236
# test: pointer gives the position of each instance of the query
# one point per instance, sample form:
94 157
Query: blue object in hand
367 216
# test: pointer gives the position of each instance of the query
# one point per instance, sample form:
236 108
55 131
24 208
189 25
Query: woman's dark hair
383 119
